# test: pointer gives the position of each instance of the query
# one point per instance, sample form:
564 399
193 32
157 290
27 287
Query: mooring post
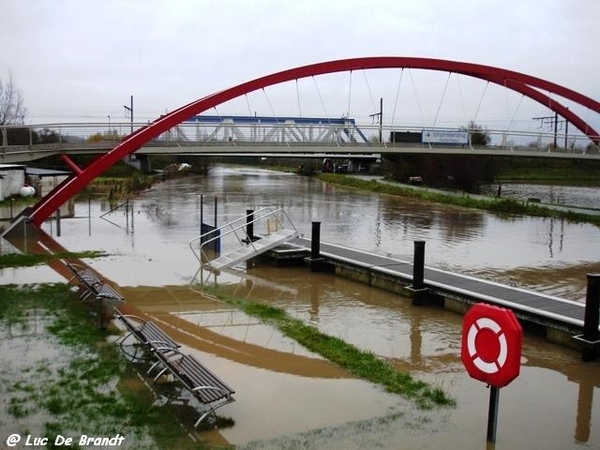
419 265
591 318
315 260
250 225
201 216
418 286
58 222
315 241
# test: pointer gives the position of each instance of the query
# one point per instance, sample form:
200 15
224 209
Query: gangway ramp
253 249
281 230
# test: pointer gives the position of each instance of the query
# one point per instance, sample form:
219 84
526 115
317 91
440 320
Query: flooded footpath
289 397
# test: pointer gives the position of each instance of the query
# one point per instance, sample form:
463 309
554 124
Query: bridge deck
529 305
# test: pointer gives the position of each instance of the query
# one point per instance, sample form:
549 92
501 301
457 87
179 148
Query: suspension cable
416 96
515 113
441 100
480 101
397 96
370 93
273 111
321 99
248 104
270 106
224 125
349 95
298 99
462 100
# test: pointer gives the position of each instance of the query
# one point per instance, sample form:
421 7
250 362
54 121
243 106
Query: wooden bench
146 333
205 386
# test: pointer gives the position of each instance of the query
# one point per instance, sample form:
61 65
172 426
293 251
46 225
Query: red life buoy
485 366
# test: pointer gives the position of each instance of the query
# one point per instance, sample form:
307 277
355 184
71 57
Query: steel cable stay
416 97
254 132
333 135
298 99
374 108
480 101
248 104
512 119
510 122
506 101
224 127
277 122
397 96
349 95
441 100
462 100
321 99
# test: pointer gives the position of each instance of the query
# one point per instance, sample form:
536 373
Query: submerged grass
84 390
361 363
33 259
500 206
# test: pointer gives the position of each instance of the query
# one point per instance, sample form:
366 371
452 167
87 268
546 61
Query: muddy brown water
288 397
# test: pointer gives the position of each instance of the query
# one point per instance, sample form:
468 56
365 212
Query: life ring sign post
491 351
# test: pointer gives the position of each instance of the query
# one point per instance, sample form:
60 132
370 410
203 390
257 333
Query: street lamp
109 125
129 109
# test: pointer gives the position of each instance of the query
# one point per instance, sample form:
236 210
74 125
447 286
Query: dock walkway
546 310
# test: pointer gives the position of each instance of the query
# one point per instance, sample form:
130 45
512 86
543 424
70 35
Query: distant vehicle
330 166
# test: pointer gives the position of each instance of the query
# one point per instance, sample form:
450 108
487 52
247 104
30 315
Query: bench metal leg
204 416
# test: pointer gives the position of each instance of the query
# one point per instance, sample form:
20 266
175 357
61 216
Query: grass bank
31 259
361 363
500 206
64 378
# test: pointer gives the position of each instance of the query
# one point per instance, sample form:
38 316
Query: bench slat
200 380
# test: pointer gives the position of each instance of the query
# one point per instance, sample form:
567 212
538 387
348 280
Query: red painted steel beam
136 140
554 105
69 162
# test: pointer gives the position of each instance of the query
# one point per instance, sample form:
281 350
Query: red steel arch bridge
143 139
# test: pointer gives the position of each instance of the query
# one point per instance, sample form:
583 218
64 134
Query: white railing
95 137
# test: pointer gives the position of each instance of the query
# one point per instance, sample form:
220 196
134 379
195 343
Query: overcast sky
81 60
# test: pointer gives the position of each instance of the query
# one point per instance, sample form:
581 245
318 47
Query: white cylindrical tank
26 191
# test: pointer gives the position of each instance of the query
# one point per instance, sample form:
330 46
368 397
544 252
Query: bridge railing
94 137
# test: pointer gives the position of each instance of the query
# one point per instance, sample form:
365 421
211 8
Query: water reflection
551 405
581 196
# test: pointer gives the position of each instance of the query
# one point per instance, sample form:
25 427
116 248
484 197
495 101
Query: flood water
288 397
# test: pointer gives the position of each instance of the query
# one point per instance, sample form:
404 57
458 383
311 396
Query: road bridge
281 139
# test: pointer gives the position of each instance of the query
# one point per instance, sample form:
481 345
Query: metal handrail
235 229
229 224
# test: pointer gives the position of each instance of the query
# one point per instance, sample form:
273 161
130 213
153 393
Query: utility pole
129 109
553 122
379 117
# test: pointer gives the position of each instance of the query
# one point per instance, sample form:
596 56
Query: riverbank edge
502 206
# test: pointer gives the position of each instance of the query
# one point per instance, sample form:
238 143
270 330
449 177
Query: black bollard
315 242
58 222
250 224
591 317
419 265
418 287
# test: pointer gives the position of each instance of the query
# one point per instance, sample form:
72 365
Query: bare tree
12 109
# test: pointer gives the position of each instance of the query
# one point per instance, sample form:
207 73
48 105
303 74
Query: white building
12 178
